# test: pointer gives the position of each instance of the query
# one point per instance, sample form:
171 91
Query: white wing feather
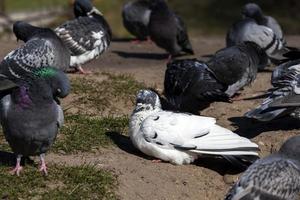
195 133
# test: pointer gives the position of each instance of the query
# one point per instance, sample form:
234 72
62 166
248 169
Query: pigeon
248 30
191 85
87 36
180 138
42 48
276 176
27 129
284 98
253 11
136 17
168 30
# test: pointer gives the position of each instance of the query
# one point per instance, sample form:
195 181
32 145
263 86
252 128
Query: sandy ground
207 179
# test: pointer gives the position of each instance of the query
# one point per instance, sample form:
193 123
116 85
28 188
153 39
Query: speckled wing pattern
274 178
82 35
34 54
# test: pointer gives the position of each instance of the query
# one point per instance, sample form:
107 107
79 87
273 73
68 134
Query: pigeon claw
16 170
156 161
82 71
43 168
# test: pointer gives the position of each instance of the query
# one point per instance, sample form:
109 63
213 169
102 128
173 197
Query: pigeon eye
59 91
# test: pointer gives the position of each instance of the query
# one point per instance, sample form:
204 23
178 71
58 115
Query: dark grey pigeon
275 177
168 30
136 17
42 48
87 36
191 85
29 114
252 10
248 30
284 97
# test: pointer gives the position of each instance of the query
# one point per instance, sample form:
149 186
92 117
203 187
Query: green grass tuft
85 134
102 95
82 182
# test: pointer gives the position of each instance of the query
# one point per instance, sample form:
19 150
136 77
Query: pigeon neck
22 97
258 55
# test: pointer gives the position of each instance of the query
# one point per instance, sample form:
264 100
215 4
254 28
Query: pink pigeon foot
18 168
82 71
156 161
43 167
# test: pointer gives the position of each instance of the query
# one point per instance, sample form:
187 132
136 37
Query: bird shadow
214 163
9 159
251 128
122 39
123 142
218 164
149 56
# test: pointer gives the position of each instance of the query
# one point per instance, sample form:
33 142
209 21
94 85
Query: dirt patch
138 176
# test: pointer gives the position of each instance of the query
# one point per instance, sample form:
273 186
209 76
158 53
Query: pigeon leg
82 71
43 167
156 161
170 58
18 168
149 40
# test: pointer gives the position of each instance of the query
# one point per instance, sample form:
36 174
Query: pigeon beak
96 11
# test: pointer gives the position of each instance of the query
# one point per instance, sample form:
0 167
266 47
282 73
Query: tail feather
267 114
242 162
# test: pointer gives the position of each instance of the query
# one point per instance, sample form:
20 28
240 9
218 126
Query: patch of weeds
4 146
81 182
85 134
103 95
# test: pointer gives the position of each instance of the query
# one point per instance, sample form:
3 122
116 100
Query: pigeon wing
194 133
268 178
34 54
82 34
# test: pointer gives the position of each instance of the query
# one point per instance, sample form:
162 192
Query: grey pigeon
275 177
87 36
168 30
180 138
284 98
42 48
191 85
30 116
252 10
248 30
136 17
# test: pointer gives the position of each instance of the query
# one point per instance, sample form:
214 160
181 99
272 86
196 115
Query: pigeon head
291 148
252 10
57 79
23 31
158 4
83 8
147 100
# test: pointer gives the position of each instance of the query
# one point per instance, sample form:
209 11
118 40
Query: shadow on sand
214 163
251 128
149 56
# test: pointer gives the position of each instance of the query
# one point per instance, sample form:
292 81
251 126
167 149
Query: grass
81 182
100 96
23 5
3 144
85 134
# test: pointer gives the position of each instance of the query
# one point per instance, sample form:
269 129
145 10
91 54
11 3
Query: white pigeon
180 138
